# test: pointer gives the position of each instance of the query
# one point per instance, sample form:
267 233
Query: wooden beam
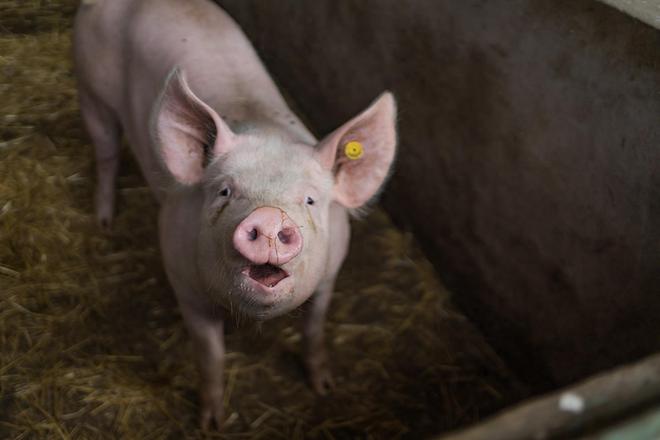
573 409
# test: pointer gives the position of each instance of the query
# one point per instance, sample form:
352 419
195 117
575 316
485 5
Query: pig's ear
361 151
187 132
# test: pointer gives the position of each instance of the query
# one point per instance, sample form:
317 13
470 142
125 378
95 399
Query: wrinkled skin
220 149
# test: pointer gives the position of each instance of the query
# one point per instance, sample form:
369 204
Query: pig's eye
309 200
225 192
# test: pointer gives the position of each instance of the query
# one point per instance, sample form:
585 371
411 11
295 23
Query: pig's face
263 243
265 225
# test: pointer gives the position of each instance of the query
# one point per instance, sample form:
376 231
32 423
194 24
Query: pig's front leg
208 337
314 350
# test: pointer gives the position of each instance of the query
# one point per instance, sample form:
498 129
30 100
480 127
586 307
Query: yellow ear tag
353 150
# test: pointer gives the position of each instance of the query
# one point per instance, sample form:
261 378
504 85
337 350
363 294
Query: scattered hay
92 344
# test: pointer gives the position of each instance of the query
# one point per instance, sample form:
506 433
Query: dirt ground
91 341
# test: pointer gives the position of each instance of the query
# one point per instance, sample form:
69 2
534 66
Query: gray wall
529 163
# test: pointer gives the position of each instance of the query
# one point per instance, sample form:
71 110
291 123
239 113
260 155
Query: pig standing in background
253 209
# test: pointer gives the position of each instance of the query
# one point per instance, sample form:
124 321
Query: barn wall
529 163
648 12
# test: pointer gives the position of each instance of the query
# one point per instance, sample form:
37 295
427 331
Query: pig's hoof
104 218
211 417
105 209
212 411
105 224
321 380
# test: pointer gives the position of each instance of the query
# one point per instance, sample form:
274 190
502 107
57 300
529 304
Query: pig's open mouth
266 274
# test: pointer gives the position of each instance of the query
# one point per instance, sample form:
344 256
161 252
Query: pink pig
253 209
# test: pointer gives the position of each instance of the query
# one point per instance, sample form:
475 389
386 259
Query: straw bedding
92 344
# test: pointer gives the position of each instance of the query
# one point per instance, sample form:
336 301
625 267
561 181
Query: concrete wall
529 163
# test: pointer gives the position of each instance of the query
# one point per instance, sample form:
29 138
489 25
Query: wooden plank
573 409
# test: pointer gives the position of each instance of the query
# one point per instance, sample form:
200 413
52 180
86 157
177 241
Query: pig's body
126 53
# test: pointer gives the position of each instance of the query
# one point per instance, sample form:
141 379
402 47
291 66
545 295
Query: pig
253 209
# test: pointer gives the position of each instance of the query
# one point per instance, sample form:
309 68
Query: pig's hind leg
105 132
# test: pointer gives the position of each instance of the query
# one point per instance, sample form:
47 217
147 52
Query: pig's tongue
267 274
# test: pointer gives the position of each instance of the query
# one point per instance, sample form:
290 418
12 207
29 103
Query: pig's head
263 243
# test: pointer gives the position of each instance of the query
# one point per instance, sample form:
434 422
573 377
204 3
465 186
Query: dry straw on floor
92 344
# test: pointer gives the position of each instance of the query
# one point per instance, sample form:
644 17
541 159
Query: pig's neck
179 225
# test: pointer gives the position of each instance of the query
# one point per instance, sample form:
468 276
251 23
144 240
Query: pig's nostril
285 235
253 234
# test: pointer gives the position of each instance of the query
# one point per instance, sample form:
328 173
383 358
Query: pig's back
120 41
96 46
125 48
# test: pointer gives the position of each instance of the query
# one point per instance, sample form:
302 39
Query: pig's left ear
187 132
361 151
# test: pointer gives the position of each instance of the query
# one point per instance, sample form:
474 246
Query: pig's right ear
187 132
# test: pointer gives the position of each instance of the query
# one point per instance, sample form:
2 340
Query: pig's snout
268 235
